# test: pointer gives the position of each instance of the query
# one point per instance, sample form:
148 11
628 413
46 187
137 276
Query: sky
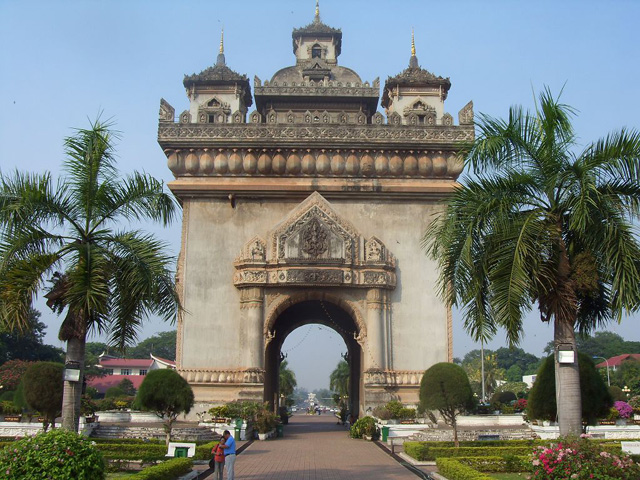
62 63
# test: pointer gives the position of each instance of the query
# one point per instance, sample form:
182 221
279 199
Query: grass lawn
510 476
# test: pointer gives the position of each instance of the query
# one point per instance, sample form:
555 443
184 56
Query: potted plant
624 412
265 423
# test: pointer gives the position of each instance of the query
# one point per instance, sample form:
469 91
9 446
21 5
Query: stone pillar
375 347
251 330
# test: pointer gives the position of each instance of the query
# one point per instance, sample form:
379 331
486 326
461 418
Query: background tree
161 344
43 390
472 365
517 357
287 380
127 387
106 280
445 388
339 379
601 344
167 394
543 223
28 345
596 399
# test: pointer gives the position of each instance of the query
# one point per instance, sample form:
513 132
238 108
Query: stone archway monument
312 211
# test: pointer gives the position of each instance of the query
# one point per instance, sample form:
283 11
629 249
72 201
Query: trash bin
181 452
279 430
238 429
385 433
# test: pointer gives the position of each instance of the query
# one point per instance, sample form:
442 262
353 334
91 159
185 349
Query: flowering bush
635 404
580 459
11 372
55 455
613 414
623 408
520 405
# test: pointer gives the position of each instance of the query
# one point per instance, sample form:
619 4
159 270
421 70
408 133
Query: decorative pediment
314 245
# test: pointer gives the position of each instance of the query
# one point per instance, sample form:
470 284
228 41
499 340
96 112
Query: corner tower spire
413 61
221 60
316 19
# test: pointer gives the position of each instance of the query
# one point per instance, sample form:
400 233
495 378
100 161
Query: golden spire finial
413 44
317 10
222 40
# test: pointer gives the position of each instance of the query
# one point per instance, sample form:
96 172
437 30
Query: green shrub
7 396
8 408
505 464
596 398
365 426
244 409
146 452
114 392
169 470
43 384
454 470
203 452
55 455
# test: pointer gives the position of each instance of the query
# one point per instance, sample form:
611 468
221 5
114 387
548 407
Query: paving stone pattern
315 448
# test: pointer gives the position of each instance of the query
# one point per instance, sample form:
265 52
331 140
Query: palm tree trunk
72 393
568 395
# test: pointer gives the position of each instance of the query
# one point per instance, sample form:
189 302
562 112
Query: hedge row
147 452
506 464
422 452
169 470
126 451
425 452
454 470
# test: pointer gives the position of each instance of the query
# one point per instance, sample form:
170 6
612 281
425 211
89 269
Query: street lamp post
626 390
607 362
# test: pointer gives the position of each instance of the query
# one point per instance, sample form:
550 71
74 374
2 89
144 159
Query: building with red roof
615 362
118 369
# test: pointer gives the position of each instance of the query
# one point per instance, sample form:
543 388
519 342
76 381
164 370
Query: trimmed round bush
54 455
596 399
43 385
365 426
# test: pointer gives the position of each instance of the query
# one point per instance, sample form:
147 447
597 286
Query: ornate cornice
314 163
392 378
182 135
223 376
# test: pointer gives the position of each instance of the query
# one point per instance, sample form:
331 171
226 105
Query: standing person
218 457
229 453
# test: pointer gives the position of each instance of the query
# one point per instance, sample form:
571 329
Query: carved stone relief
167 112
315 246
465 116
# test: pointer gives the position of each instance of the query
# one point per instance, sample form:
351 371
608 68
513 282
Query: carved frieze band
276 275
223 376
393 378
331 132
319 163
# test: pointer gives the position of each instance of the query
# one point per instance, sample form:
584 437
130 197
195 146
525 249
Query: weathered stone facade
312 209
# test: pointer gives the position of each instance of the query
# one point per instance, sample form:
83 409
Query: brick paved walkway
315 448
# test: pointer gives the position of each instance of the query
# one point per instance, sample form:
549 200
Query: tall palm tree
107 280
287 380
339 379
544 222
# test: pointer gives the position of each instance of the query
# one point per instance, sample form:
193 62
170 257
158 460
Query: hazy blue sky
63 62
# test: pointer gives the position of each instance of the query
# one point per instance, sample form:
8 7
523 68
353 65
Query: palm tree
543 222
107 280
287 379
339 379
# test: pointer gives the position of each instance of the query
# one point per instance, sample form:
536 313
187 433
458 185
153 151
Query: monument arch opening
323 312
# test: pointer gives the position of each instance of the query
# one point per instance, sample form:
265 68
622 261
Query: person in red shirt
218 457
